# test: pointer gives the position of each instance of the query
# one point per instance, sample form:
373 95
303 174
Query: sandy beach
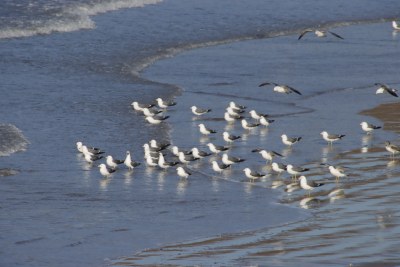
353 221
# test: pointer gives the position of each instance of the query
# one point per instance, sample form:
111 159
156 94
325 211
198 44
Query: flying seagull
281 88
383 88
319 33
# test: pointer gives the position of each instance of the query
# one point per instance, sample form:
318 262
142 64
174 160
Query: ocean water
70 70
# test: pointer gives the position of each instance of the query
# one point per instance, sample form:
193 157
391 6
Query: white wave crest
11 140
72 18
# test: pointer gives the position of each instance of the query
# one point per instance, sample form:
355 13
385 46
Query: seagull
278 167
91 158
289 141
165 104
281 88
199 154
156 119
234 113
231 118
148 149
93 150
337 171
105 171
152 162
294 171
199 111
216 149
219 167
265 122
368 128
392 148
383 88
204 130
229 138
330 138
150 112
175 150
255 115
163 164
186 158
308 185
229 160
129 162
267 155
319 33
158 146
396 25
113 163
248 126
236 106
182 172
139 107
252 175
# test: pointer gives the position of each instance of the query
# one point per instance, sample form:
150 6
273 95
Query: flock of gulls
165 156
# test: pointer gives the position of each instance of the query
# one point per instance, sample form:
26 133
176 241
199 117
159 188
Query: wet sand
353 221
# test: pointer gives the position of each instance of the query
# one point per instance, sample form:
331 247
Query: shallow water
76 85
356 217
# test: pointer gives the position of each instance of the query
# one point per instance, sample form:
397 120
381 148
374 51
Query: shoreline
314 98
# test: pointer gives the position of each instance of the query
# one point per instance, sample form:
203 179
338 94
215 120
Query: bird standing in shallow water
289 141
106 172
368 128
199 111
337 171
392 148
182 172
308 185
129 162
330 138
252 175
